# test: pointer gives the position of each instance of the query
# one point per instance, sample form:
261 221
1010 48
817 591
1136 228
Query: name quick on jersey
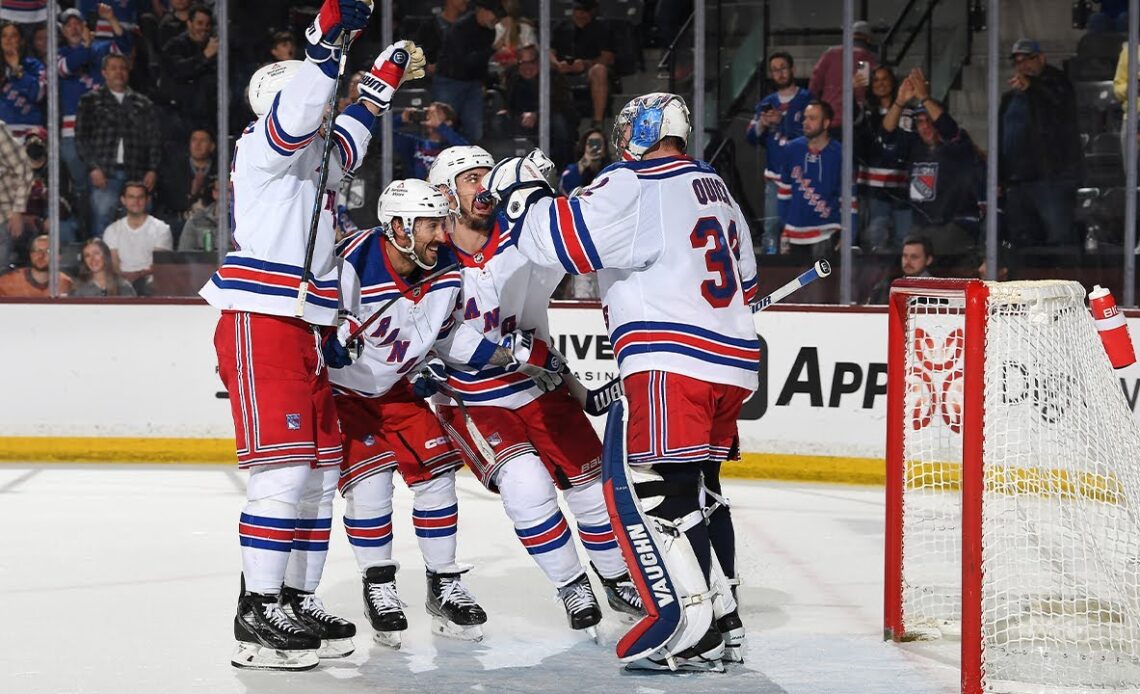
710 190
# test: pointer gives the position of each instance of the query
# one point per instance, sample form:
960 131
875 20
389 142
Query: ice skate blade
442 627
336 648
254 656
391 639
647 665
592 632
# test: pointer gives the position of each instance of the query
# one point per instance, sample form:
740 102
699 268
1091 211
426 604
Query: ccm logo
433 443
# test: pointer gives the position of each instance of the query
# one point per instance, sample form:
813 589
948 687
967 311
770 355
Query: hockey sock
314 524
720 530
531 503
268 522
435 515
680 486
368 519
588 505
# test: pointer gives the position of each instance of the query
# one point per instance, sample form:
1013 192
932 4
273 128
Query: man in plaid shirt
15 182
117 135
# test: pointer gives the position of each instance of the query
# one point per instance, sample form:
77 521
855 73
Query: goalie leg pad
657 547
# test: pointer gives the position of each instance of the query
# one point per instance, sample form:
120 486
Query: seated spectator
593 154
461 70
827 75
1040 159
581 47
39 45
190 72
184 178
512 32
917 256
15 183
25 84
173 22
431 35
200 233
435 133
97 275
133 239
520 95
882 178
942 167
80 59
117 136
778 120
34 280
126 11
283 46
1111 17
23 11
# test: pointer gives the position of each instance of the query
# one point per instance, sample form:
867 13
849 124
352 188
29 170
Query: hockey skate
307 610
455 614
622 595
383 606
268 640
732 631
704 656
581 605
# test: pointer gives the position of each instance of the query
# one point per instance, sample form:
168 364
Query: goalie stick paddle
596 402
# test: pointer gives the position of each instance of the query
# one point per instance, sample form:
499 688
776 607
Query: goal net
1013 487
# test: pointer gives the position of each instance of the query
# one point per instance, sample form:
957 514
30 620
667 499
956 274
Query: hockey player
539 437
386 423
284 419
674 261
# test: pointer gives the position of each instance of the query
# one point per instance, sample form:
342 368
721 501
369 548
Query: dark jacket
1038 134
466 51
189 80
101 121
943 179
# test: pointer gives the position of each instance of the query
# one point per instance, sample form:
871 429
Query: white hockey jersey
502 292
675 266
274 181
419 319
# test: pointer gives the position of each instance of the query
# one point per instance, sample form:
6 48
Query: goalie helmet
409 200
269 80
647 119
455 160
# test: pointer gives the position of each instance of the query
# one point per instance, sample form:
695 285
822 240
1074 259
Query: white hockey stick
486 452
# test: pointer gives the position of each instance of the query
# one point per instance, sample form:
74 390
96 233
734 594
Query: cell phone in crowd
418 115
863 68
595 145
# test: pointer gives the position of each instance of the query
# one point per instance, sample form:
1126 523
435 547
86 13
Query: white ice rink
123 579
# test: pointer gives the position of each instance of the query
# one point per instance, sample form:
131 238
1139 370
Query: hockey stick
485 450
355 334
596 402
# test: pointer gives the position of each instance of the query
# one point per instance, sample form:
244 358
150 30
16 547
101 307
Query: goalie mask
454 161
409 200
644 121
268 81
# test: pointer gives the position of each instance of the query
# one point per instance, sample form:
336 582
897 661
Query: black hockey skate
382 604
306 609
268 640
703 656
581 605
732 631
622 595
454 612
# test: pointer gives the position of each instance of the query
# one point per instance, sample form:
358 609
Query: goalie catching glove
517 182
398 63
323 37
535 358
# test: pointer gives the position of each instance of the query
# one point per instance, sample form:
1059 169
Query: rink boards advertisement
138 381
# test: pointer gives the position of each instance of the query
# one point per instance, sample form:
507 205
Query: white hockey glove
398 63
322 38
534 358
517 182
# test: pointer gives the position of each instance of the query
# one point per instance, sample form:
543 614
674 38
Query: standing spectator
189 70
185 177
432 35
512 33
283 46
942 166
778 120
1112 17
1040 152
581 48
116 133
97 275
915 261
15 183
462 67
520 94
882 178
23 11
827 75
39 44
33 281
36 214
80 58
200 233
811 186
126 11
1120 91
173 22
417 152
593 155
25 84
133 239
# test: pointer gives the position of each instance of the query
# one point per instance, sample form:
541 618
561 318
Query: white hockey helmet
269 80
649 118
409 200
455 160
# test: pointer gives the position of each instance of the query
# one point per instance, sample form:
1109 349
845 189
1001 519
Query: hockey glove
515 183
426 381
534 358
400 62
322 38
335 353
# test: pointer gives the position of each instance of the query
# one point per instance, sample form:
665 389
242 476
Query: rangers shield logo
293 421
923 182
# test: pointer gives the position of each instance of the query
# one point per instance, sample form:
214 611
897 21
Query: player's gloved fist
517 182
427 380
535 358
336 355
398 63
322 38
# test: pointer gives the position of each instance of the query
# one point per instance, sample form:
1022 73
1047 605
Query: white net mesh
1061 460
